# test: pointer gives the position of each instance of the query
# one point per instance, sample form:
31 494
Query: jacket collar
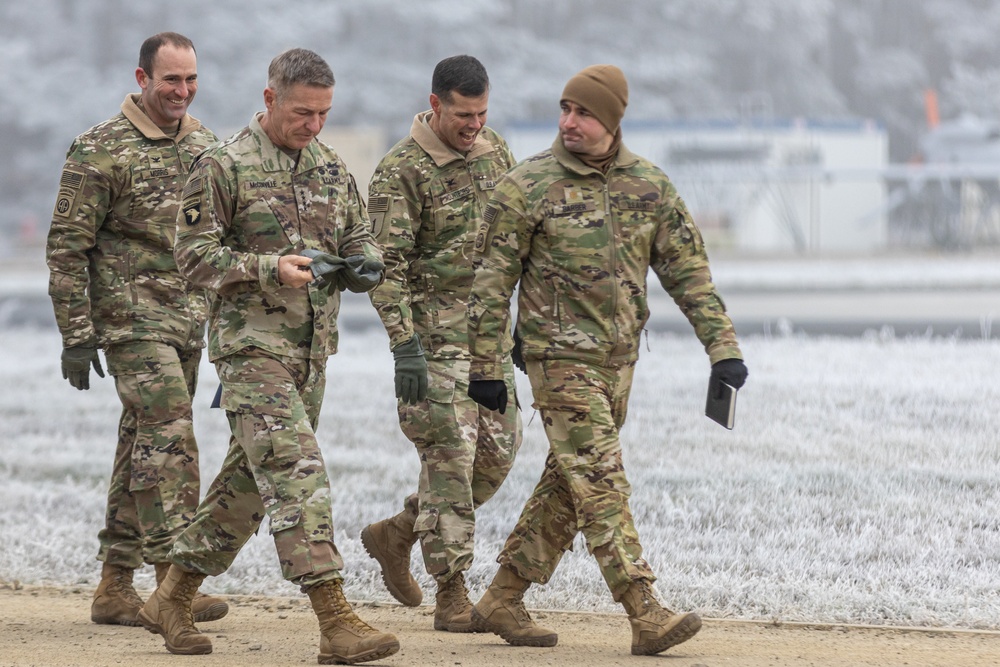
440 152
274 159
149 129
625 158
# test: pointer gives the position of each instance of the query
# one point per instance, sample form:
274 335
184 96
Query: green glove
411 371
324 266
362 275
76 362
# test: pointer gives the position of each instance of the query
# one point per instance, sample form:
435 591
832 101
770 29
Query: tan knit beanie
601 90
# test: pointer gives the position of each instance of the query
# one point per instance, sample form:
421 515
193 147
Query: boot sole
213 613
679 634
369 544
376 653
113 620
480 624
156 629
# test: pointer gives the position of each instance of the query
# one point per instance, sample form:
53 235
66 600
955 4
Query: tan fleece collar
142 122
439 151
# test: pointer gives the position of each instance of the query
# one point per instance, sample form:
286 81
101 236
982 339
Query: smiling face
167 91
581 132
458 121
294 118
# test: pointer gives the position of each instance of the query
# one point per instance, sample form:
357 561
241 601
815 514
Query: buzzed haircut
152 45
298 66
460 74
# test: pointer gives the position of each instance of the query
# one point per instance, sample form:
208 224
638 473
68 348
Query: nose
314 124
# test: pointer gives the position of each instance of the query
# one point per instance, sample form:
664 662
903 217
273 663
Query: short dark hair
298 66
152 45
460 74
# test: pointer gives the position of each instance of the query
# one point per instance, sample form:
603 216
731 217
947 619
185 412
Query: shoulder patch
378 211
193 187
70 185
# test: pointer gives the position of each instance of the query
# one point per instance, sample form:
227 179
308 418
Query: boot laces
121 583
517 608
650 605
344 612
455 594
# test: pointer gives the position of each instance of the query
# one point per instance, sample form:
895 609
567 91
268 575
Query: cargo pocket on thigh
269 417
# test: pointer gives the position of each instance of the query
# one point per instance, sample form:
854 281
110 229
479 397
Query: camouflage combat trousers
154 485
274 465
465 454
583 487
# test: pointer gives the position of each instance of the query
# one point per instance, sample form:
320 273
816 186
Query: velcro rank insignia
378 210
70 185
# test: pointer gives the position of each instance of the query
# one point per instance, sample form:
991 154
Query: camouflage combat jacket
426 203
245 204
112 276
581 244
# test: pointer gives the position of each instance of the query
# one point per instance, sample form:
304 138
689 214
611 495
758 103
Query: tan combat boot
501 611
115 601
204 608
453 611
344 638
168 613
389 542
655 628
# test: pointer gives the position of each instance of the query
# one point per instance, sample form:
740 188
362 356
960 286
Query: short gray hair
298 66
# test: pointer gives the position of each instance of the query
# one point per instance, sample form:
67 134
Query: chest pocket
156 176
576 229
453 201
636 220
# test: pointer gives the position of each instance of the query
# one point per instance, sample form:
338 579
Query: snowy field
861 483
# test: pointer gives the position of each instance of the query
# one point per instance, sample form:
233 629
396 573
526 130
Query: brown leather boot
115 600
168 613
655 628
344 638
453 611
501 611
389 542
204 608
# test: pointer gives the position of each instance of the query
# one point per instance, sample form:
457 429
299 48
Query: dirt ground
51 627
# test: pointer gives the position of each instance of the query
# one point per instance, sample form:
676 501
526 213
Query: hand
730 371
324 267
293 271
515 354
491 394
411 371
76 363
362 274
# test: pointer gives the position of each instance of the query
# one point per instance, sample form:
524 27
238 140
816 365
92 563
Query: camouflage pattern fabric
581 245
112 272
583 487
274 465
426 202
466 452
245 204
114 283
154 487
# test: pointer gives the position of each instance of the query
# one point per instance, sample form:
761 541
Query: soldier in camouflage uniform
257 209
579 226
426 201
114 284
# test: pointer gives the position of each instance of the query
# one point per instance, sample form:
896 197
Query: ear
269 98
141 78
435 104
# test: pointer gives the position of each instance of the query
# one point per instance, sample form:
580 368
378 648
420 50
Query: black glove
515 354
491 394
76 363
411 371
362 274
730 371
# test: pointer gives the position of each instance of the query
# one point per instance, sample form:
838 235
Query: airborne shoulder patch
70 185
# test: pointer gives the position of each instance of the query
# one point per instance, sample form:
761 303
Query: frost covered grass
860 485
